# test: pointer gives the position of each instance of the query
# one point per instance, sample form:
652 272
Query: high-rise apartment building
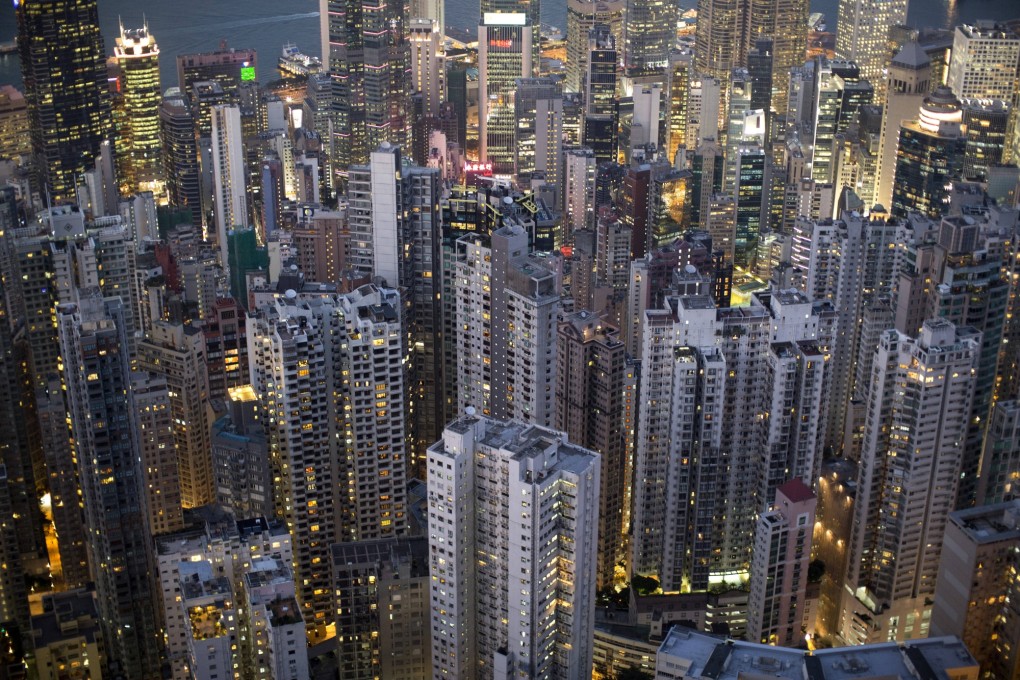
779 567
229 188
327 362
977 583
578 191
138 141
93 346
365 45
590 370
177 352
711 449
863 37
504 54
918 405
506 306
513 551
383 619
150 409
63 63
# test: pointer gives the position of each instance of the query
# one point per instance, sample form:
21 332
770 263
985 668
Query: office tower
504 55
428 63
669 215
590 369
365 45
240 455
583 16
649 34
578 191
986 123
743 125
598 127
678 90
538 143
599 76
863 37
383 617
150 409
496 374
15 137
893 565
230 67
929 154
719 37
520 506
910 80
230 197
751 204
177 352
138 142
645 120
779 567
839 94
634 202
63 64
305 357
97 376
760 61
976 584
985 62
782 22
180 155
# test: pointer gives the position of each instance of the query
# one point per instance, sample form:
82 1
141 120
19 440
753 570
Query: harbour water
184 26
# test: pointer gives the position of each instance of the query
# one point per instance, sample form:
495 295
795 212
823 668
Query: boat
816 22
9 47
551 33
293 62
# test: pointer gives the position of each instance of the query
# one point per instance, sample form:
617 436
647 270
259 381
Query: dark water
183 26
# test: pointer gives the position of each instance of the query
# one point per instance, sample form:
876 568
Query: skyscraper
138 142
582 18
334 363
365 45
93 345
862 36
504 55
538 110
531 9
590 368
516 561
180 155
649 33
930 154
64 66
428 64
918 405
230 197
779 567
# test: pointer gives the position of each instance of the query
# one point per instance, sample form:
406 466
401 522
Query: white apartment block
506 309
513 517
329 370
918 407
732 405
